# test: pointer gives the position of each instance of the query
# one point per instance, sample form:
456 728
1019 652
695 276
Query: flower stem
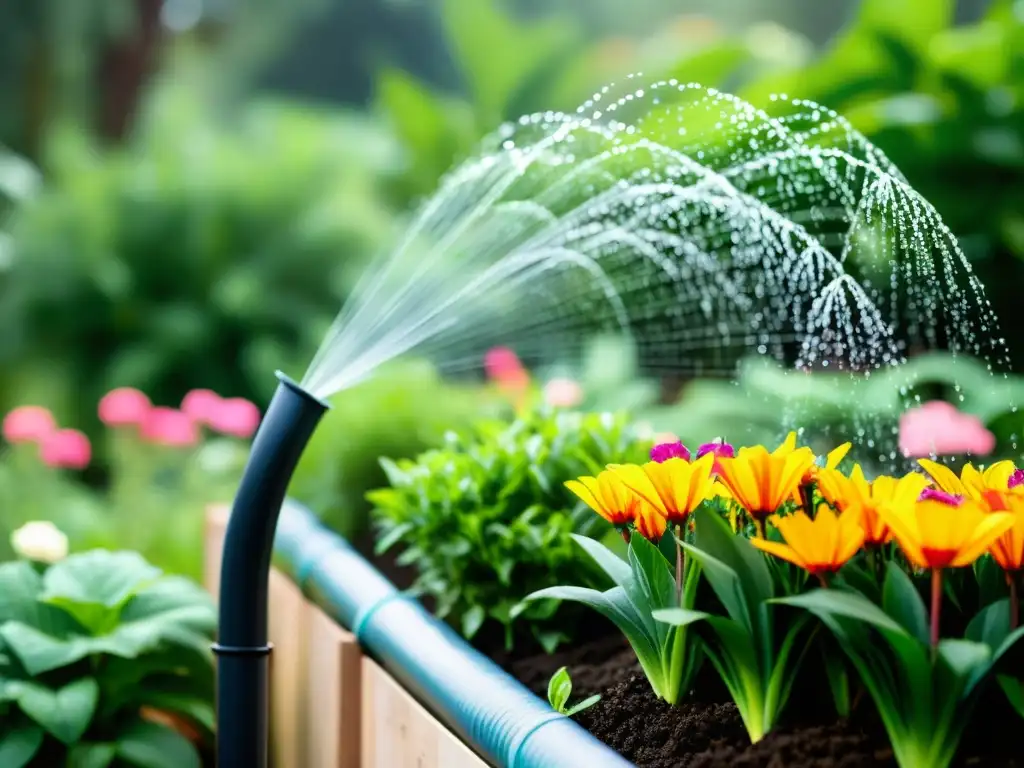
625 534
823 580
679 565
1011 579
936 604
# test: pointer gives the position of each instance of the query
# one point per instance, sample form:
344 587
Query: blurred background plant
212 179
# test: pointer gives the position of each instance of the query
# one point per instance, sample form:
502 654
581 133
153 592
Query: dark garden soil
706 730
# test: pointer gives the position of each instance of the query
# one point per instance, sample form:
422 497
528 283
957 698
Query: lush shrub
200 254
99 654
486 519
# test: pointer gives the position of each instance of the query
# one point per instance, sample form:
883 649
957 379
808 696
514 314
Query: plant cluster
486 519
166 465
915 578
104 660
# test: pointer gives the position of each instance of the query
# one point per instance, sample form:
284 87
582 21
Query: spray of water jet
701 226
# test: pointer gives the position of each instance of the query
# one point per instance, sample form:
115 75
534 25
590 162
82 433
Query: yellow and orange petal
1008 549
649 523
608 496
761 482
988 486
674 488
934 534
822 545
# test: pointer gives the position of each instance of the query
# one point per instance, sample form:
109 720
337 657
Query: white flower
40 540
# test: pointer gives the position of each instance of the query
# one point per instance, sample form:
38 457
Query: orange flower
1008 549
934 534
608 496
819 546
674 488
761 482
649 523
990 486
855 493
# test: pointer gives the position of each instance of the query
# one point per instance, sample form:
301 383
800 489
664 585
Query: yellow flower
674 488
1008 549
935 534
608 496
989 486
761 482
819 546
856 493
649 523
832 460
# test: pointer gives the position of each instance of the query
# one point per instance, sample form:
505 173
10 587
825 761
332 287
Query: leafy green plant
756 655
645 585
924 695
559 691
97 653
485 520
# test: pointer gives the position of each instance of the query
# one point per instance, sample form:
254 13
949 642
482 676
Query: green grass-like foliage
85 645
486 520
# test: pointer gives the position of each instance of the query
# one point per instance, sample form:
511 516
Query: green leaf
98 755
715 537
833 602
39 652
651 574
679 617
559 690
94 586
20 587
617 569
149 745
19 744
199 711
472 620
585 704
66 712
614 605
1014 690
901 601
968 661
991 625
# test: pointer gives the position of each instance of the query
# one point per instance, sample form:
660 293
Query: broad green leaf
149 745
715 537
472 620
19 744
1014 690
97 755
679 617
901 601
653 585
559 689
614 605
991 625
199 711
39 652
833 602
966 659
94 586
725 583
617 569
20 586
66 712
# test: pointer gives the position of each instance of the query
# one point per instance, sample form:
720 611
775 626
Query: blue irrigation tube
487 708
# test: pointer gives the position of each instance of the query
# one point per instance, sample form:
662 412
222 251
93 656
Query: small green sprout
559 690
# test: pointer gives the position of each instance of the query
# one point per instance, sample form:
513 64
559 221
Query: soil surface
706 729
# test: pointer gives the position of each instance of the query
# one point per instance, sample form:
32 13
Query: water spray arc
242 647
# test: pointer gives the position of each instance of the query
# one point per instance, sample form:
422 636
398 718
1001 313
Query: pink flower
200 404
665 451
563 393
167 426
28 424
1017 478
933 494
235 416
721 450
938 428
504 368
123 407
67 448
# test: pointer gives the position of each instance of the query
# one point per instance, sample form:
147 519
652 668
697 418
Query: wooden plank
213 544
288 614
399 732
333 697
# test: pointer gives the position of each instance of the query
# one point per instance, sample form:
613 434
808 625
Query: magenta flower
938 428
67 448
167 426
1017 478
933 494
28 424
200 404
123 407
236 416
665 451
721 450
503 367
